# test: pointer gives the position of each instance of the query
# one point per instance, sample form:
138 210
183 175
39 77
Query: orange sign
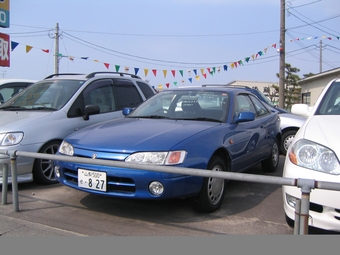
4 13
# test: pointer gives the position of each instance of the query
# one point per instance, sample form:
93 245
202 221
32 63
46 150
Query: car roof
77 76
5 81
214 88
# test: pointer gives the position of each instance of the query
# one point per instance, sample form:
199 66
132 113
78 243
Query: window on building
306 98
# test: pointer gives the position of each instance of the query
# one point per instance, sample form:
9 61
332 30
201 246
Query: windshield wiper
43 108
206 119
152 117
13 107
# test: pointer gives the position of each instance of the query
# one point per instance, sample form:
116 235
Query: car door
248 135
110 96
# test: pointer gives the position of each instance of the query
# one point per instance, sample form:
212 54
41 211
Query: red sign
4 49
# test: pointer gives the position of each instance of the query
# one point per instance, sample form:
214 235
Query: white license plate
92 179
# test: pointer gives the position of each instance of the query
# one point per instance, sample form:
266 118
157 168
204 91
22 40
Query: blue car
221 129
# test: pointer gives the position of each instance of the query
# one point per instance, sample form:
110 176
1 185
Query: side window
259 107
146 89
126 94
100 93
243 104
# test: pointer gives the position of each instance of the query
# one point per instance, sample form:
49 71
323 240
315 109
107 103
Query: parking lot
248 209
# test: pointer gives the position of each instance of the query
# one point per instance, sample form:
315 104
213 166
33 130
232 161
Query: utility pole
320 56
56 50
282 51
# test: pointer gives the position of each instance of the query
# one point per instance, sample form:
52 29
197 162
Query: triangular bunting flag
225 67
190 79
154 72
181 72
160 87
28 48
14 45
146 72
164 73
136 70
175 83
117 68
197 77
167 85
85 58
47 51
107 65
204 75
173 73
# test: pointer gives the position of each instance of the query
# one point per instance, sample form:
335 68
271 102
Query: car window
259 107
146 89
52 94
243 104
100 93
189 105
126 94
330 104
10 89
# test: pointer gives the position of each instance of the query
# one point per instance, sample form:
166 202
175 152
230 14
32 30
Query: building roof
335 71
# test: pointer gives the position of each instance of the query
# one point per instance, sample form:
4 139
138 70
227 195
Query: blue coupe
220 129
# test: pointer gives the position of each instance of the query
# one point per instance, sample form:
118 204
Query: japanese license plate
92 179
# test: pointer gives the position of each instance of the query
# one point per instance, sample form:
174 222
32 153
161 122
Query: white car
314 154
10 87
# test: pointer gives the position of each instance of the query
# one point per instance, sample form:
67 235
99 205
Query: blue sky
192 36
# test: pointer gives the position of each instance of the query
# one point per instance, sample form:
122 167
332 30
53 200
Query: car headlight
11 138
314 156
159 158
66 148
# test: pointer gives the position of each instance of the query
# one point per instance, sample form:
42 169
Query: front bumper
324 209
131 183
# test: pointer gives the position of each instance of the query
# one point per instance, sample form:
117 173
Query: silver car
41 116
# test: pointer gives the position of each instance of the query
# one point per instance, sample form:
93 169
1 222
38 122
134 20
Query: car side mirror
90 109
244 117
126 111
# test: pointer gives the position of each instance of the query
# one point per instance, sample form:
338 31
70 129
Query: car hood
129 134
11 120
323 130
291 120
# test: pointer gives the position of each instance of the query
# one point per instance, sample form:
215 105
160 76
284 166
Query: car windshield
330 104
44 95
185 104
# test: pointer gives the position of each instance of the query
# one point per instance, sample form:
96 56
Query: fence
301 209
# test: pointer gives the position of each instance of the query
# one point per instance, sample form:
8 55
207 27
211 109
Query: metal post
297 217
306 187
14 182
4 184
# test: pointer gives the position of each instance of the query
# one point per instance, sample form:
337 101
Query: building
311 87
264 87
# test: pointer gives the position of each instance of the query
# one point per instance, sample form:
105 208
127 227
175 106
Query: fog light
56 171
156 188
291 200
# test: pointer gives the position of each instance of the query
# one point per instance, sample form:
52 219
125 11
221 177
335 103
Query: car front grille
114 184
319 209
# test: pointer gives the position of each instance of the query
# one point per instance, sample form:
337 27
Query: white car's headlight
66 148
314 156
11 138
159 158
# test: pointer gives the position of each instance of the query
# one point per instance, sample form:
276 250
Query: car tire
43 171
212 192
287 138
270 164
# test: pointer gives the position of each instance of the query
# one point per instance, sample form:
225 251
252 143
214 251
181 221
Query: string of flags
198 73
